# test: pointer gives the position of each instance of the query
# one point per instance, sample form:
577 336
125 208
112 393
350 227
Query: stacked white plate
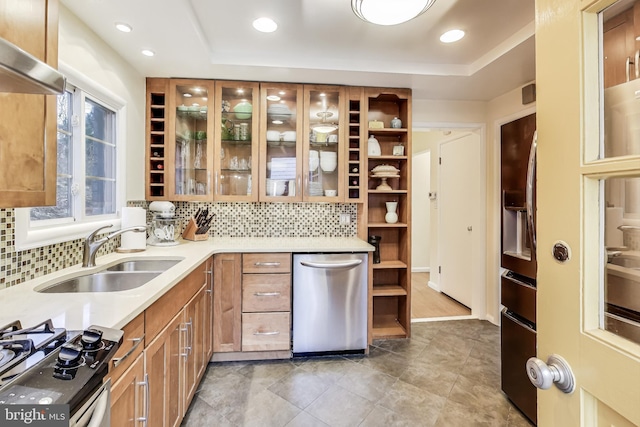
315 189
279 112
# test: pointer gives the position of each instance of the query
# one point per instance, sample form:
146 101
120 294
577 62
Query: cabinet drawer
132 346
266 292
266 263
266 331
519 297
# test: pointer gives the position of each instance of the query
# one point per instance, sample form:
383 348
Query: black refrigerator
518 259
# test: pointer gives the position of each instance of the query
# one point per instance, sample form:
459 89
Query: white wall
420 211
81 49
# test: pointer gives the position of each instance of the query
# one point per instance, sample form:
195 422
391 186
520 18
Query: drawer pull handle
136 341
267 333
267 294
267 264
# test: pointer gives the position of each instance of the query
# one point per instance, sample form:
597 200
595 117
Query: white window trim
26 238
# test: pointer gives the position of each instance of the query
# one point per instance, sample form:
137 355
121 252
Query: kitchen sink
104 281
144 265
123 276
626 262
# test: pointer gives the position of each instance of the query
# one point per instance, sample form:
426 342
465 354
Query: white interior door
459 183
570 172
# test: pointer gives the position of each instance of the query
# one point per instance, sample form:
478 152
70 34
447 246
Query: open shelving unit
391 278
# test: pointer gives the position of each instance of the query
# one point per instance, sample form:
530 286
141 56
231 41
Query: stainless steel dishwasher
329 303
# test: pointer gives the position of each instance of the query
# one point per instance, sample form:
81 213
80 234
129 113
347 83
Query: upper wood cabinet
237 139
281 142
28 126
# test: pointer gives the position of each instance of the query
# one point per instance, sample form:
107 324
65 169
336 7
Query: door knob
556 370
469 228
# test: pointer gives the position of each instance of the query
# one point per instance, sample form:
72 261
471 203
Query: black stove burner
18 344
66 373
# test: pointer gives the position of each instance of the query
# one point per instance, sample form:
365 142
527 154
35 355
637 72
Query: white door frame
479 267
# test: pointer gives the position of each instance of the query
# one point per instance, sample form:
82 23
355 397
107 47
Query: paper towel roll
612 220
132 241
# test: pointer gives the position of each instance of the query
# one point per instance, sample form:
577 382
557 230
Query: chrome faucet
91 244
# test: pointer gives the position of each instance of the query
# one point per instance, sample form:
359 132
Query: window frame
56 231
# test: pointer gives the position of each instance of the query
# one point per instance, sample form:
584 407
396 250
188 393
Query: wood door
128 396
458 206
163 360
227 302
606 367
28 126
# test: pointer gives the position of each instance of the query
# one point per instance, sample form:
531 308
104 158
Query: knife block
189 232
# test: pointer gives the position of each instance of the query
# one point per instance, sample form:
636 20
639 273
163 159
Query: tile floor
446 375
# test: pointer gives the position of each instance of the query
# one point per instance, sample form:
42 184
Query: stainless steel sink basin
626 262
106 281
144 265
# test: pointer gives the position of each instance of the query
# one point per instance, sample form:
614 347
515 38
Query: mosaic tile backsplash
231 220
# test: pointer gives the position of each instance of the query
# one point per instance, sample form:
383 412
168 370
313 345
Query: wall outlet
345 219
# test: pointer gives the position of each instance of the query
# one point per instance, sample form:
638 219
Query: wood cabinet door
28 126
163 359
194 318
227 302
208 320
128 398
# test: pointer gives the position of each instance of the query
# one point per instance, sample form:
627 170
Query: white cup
333 138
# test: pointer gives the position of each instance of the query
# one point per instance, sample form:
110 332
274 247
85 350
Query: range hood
21 72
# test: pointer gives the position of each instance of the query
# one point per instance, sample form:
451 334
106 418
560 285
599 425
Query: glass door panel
193 147
324 141
280 167
237 144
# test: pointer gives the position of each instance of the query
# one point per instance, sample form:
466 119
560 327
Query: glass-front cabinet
281 142
324 139
192 151
236 149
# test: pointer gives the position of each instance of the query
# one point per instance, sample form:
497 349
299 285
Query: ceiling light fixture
265 25
125 28
452 36
147 52
386 12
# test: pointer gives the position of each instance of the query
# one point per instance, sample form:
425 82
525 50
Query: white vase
391 217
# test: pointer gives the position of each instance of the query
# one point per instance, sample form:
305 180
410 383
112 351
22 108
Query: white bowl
273 135
275 187
289 136
328 165
331 193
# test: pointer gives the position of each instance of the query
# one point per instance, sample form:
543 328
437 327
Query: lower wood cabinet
129 396
157 388
163 360
252 306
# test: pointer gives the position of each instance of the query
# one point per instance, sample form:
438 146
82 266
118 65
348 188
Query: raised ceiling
322 41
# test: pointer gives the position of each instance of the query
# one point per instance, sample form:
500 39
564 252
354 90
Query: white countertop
76 311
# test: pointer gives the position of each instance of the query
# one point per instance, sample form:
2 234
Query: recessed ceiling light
452 36
125 28
147 52
265 25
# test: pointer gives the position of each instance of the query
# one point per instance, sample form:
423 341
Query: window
90 182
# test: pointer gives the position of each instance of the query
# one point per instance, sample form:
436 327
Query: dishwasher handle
332 264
